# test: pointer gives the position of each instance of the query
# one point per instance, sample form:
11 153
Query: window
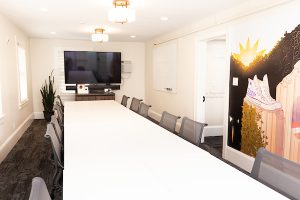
23 93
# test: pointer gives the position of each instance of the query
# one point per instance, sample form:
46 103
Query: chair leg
57 178
54 190
52 193
57 186
55 174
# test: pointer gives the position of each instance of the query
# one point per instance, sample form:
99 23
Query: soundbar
68 87
95 87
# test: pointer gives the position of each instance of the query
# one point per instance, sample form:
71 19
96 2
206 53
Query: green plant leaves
48 93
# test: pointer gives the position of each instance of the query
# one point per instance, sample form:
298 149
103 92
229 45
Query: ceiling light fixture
121 13
44 9
133 36
99 36
164 18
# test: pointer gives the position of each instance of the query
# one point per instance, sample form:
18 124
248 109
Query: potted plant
48 97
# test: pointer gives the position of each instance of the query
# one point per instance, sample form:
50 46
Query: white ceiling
77 19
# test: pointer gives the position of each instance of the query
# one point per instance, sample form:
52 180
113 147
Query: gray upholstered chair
124 100
144 108
57 129
277 172
135 104
39 190
60 102
168 121
57 152
191 130
60 114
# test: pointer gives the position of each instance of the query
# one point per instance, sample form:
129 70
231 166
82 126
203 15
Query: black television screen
87 67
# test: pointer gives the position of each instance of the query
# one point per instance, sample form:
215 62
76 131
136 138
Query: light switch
235 81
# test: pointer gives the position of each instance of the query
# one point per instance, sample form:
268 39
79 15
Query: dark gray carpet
29 158
214 145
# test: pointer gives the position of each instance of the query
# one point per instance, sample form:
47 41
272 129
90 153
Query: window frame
22 102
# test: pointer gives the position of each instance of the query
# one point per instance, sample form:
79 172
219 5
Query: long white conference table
113 153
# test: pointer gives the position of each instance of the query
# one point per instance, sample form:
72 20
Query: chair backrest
191 130
59 113
58 106
60 102
56 146
57 128
39 190
144 108
124 100
168 121
135 104
277 172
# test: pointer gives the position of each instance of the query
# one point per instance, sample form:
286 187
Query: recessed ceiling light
44 9
133 36
164 18
53 32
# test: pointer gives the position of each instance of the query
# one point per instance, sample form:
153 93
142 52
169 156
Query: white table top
113 153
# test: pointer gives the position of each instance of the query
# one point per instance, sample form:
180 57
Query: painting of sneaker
264 85
256 96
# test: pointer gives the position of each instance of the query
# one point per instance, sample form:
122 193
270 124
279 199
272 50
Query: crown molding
246 9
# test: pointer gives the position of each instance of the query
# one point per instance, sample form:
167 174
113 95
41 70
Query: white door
211 84
215 82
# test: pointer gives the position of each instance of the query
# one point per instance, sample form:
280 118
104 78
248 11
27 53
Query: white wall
254 19
15 120
43 61
182 101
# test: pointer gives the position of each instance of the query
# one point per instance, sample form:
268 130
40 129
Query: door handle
203 98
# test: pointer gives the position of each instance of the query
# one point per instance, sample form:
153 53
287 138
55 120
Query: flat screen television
87 67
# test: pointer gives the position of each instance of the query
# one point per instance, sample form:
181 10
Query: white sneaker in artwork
264 85
254 95
265 91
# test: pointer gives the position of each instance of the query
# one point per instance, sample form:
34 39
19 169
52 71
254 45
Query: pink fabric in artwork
296 118
279 148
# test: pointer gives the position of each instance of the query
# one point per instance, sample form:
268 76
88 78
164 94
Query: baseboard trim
7 146
212 131
155 115
38 115
238 158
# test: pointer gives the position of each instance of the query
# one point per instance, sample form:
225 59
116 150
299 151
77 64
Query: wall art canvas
264 104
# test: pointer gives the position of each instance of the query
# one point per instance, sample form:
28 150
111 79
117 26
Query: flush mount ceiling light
43 9
164 18
121 13
99 36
